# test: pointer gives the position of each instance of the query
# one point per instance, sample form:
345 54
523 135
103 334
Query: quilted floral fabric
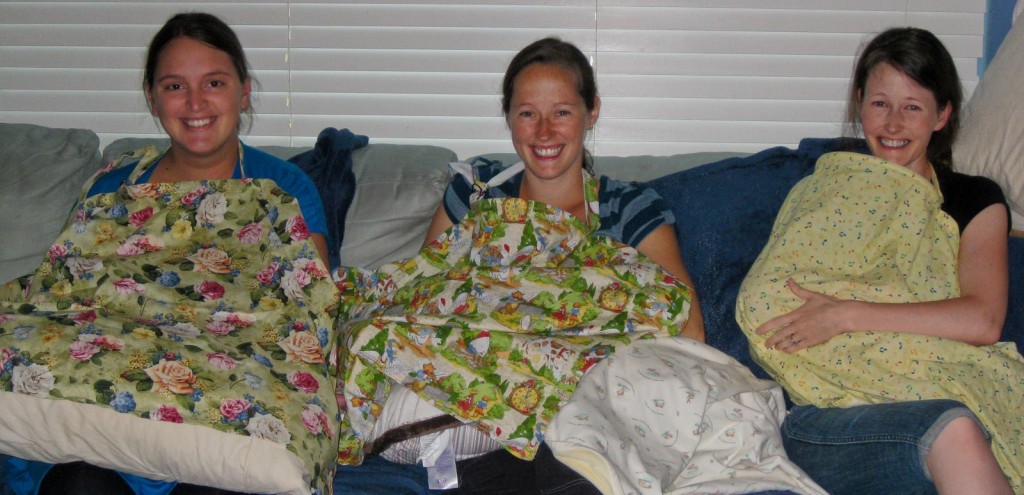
201 303
496 320
863 228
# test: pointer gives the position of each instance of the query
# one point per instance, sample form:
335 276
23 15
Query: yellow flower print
142 333
270 303
182 229
45 268
52 334
187 312
269 335
280 393
138 359
61 288
104 232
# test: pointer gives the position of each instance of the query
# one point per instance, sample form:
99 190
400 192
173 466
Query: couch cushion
724 214
43 170
398 188
990 141
638 168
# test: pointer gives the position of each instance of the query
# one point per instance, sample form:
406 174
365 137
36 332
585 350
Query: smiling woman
884 278
182 318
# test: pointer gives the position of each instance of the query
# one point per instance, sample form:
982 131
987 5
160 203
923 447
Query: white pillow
991 142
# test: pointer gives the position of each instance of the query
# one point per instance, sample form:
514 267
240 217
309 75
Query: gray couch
724 203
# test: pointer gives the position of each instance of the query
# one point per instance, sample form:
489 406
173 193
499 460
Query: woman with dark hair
550 103
187 310
538 282
884 281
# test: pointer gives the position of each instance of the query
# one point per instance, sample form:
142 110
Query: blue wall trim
998 19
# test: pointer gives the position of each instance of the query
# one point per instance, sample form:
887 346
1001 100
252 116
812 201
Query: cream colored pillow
991 142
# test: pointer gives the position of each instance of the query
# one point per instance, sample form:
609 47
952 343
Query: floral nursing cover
191 302
496 320
864 228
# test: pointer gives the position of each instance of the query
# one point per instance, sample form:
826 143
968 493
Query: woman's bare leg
961 461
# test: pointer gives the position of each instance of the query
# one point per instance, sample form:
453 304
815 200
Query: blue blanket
329 164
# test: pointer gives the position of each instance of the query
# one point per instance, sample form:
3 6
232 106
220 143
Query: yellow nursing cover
867 229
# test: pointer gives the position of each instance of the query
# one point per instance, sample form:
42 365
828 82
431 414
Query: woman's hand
819 319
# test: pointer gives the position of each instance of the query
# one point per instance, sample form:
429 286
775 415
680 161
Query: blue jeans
874 449
496 473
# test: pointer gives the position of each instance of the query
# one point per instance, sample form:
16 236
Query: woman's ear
246 90
149 100
595 113
943 117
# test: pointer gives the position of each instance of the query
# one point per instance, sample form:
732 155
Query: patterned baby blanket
675 416
201 305
497 320
863 228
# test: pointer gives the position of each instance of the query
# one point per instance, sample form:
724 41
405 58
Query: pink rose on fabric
83 317
148 243
128 286
211 260
4 317
221 361
210 290
312 267
147 190
231 408
138 244
138 219
83 351
172 376
304 381
166 413
220 327
266 275
297 228
293 281
5 357
302 346
241 319
57 251
190 198
104 342
315 420
250 234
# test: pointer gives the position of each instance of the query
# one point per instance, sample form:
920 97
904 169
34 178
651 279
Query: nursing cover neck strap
145 166
591 187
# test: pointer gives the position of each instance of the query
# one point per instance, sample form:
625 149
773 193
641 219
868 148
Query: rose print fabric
497 320
201 303
676 416
863 228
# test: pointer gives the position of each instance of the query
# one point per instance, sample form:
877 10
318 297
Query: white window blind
675 75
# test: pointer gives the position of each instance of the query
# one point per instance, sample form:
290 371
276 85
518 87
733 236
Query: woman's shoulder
964 196
954 183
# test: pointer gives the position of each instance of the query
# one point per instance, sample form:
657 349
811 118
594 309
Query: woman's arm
662 248
438 224
976 317
320 242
